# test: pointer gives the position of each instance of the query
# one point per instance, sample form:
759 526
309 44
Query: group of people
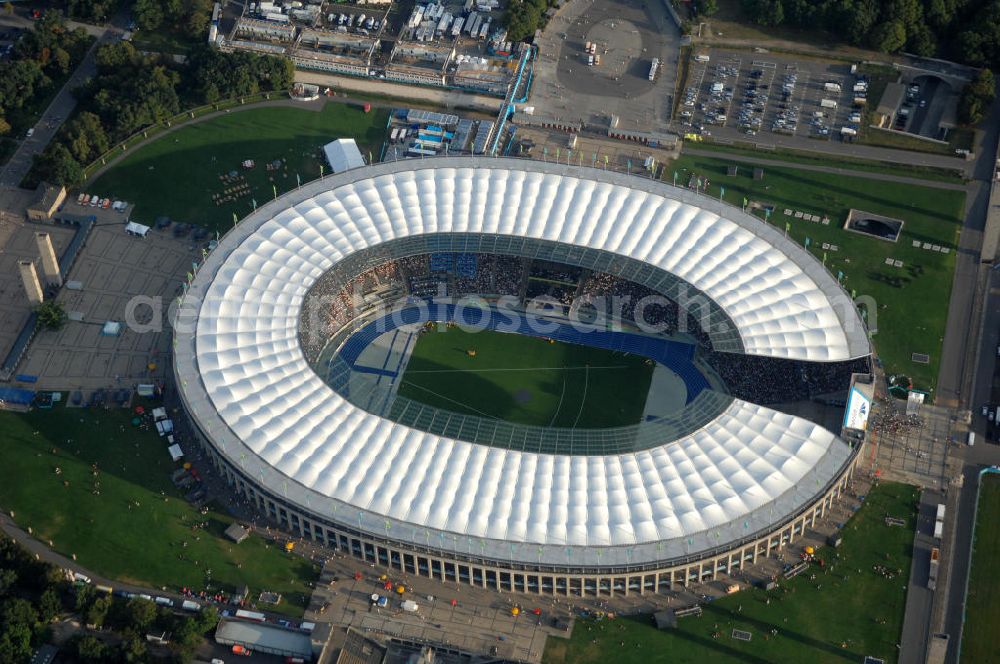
771 380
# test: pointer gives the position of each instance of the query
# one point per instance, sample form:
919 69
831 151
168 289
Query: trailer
831 86
940 512
484 29
250 615
828 103
938 530
456 28
932 574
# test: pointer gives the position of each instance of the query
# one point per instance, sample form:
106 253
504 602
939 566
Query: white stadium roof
246 382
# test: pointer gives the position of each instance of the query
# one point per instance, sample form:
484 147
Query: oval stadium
524 376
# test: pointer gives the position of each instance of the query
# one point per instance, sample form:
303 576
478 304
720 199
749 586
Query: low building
237 533
261 637
49 198
343 154
885 112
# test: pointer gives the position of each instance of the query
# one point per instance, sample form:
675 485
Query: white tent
343 154
159 413
175 452
133 228
112 328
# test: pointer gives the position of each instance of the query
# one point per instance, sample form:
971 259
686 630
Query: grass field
838 618
982 613
177 174
912 301
144 544
527 380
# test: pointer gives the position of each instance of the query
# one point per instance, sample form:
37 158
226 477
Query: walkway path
902 179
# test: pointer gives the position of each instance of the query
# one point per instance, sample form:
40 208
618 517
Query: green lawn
912 301
177 174
167 41
526 380
982 613
838 618
144 544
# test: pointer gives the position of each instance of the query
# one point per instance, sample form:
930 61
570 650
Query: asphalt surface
960 346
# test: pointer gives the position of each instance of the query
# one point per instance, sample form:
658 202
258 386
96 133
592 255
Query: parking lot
732 94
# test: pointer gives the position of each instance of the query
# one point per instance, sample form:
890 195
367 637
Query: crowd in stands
770 380
331 304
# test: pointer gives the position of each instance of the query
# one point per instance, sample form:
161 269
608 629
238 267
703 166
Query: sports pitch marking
585 368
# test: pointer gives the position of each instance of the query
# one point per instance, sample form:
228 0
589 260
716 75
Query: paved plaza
120 278
628 34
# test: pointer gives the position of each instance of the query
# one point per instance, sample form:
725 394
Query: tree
709 7
132 648
15 643
976 98
765 12
8 7
49 605
61 59
888 37
19 611
90 650
148 14
97 611
141 613
86 139
4 126
116 55
8 579
56 164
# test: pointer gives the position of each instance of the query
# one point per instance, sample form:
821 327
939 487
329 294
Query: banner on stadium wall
858 409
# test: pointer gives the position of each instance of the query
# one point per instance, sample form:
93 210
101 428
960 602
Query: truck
972 438
164 601
938 529
848 131
188 605
828 103
250 615
830 86
933 573
701 57
940 512
654 66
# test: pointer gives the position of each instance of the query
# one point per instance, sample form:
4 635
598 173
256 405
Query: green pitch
526 380
979 644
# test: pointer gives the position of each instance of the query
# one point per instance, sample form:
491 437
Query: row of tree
967 31
49 50
128 622
131 91
34 593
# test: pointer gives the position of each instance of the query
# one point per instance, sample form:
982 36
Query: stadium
524 376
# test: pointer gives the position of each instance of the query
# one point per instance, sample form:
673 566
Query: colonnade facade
514 576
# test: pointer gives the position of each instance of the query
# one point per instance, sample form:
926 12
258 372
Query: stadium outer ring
518 573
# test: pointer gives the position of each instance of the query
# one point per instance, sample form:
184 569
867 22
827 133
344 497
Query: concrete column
32 288
50 266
